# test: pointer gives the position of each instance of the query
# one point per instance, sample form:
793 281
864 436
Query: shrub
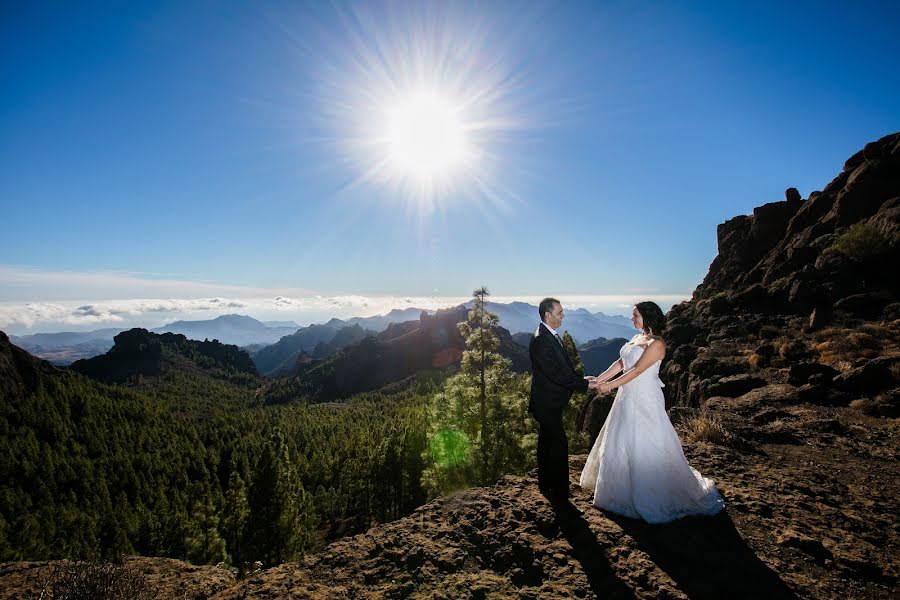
837 344
793 350
757 361
882 405
861 242
705 427
93 580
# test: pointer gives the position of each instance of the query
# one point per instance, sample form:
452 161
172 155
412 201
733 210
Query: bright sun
425 137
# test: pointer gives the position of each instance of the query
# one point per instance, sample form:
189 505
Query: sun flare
427 108
425 137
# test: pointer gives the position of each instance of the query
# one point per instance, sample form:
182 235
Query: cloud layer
33 317
33 300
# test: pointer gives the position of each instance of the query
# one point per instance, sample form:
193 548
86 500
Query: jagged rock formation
138 353
794 286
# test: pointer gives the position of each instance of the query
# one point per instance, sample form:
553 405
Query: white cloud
97 300
24 284
33 317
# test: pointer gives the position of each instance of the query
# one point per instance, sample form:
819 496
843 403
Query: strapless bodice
630 354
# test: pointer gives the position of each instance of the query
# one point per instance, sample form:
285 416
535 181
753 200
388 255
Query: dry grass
793 349
705 427
844 366
757 361
843 344
92 580
895 372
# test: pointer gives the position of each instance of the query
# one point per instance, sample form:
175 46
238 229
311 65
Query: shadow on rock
706 557
591 555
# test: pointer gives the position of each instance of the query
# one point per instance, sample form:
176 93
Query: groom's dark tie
560 340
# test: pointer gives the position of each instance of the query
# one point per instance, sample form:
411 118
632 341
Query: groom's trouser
553 457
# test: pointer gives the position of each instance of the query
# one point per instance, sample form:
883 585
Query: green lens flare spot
449 447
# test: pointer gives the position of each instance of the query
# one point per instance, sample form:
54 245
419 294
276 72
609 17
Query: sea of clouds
40 301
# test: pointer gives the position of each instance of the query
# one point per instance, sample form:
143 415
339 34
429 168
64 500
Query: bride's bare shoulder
657 342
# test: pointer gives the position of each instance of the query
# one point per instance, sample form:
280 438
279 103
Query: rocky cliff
804 293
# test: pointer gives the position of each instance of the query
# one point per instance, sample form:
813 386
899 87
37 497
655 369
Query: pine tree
281 511
577 404
478 421
237 510
204 543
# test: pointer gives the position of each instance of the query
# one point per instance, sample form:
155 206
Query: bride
637 467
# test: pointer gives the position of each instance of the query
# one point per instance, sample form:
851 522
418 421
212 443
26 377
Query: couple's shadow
705 557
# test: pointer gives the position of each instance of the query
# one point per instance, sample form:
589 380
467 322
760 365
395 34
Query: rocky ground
812 498
811 513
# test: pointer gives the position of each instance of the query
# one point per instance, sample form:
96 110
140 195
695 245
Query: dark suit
553 380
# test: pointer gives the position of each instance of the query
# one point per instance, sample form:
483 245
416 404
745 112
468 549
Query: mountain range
402 351
271 343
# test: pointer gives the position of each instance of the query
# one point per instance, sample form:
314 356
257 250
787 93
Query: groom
552 382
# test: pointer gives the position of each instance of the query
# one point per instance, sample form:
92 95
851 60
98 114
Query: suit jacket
553 378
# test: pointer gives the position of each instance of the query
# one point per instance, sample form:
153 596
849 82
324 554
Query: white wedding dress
637 467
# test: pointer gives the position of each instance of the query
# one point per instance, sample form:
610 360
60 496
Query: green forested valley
189 462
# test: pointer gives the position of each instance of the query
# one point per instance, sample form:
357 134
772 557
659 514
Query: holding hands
595 383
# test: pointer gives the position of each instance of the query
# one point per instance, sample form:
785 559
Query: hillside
400 352
799 524
139 354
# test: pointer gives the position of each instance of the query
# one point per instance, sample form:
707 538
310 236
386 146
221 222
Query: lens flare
427 101
449 447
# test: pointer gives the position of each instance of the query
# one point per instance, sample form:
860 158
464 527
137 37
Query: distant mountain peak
138 352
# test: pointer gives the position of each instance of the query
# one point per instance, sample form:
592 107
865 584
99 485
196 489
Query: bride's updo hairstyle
654 319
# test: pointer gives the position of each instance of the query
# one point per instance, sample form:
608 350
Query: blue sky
213 148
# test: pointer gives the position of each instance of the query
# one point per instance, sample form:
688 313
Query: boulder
735 385
705 367
754 296
820 316
792 195
681 334
801 372
867 306
868 379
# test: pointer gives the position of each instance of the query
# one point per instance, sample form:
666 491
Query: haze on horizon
159 157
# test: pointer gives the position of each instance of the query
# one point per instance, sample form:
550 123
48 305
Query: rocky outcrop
139 354
20 372
790 288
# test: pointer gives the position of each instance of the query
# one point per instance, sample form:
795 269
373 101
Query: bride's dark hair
654 319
